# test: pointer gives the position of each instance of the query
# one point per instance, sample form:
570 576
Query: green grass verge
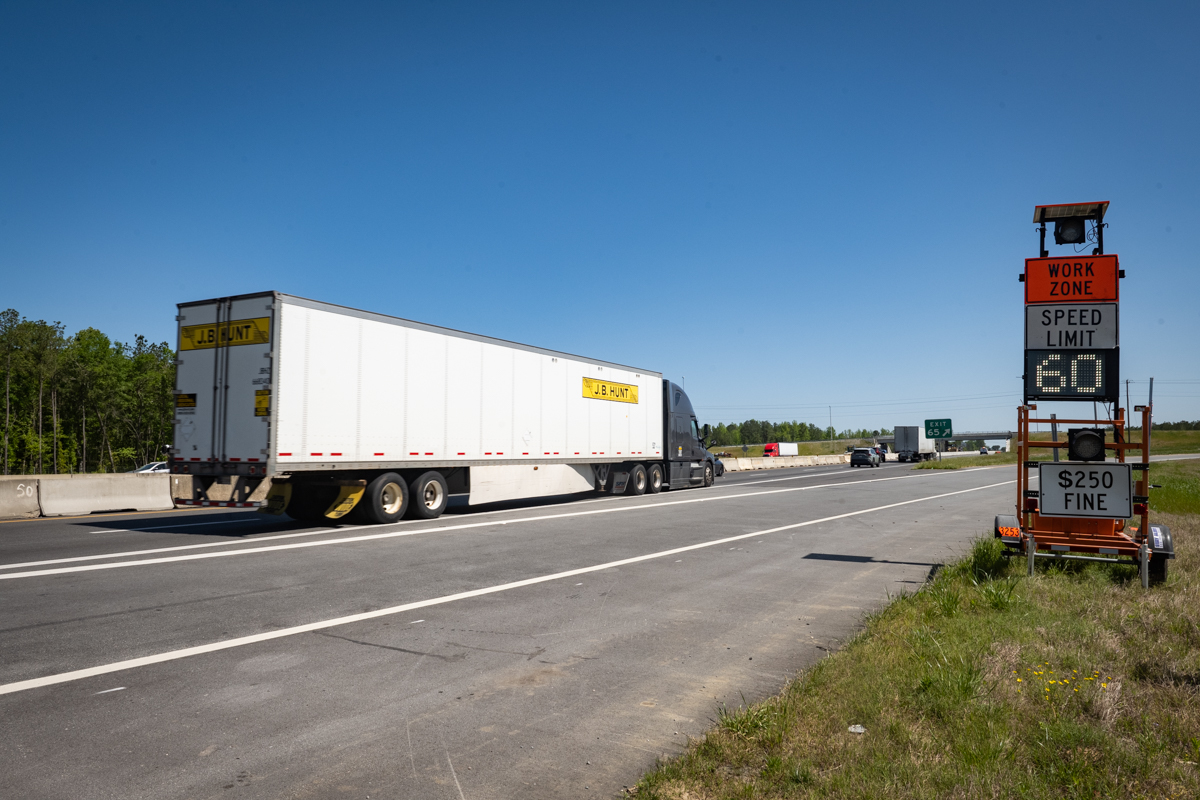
1076 683
1180 482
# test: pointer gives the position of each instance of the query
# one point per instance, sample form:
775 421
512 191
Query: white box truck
912 445
352 412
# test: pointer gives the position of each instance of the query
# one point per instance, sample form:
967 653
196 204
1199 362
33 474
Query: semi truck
355 413
912 445
776 449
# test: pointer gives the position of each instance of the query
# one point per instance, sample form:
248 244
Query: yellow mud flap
277 498
347 499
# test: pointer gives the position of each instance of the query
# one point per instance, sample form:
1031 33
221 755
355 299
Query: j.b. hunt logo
227 334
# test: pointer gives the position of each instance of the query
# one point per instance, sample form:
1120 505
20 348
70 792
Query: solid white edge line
213 647
369 537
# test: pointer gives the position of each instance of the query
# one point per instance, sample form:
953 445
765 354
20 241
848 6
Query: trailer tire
637 481
654 479
385 499
428 496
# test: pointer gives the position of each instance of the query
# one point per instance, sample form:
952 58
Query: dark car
718 467
864 457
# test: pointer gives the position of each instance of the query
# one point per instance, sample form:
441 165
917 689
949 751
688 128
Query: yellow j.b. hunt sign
225 334
607 390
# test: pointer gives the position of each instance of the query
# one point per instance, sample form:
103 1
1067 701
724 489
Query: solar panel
1086 210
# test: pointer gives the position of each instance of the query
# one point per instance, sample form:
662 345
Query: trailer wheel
637 480
1158 569
385 499
429 496
654 482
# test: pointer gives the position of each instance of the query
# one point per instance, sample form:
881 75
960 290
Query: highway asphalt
537 650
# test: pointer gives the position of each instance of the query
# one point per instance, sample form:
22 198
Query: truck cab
688 461
771 450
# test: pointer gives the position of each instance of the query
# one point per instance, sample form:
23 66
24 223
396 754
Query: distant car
718 467
983 451
864 456
153 466
880 451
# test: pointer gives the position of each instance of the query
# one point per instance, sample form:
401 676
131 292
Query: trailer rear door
223 388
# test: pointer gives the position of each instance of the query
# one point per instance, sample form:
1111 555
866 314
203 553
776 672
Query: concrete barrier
19 497
744 464
67 495
185 487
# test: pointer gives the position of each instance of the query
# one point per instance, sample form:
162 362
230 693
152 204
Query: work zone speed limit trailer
1083 508
352 411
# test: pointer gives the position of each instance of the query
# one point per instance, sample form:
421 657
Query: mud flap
1160 541
620 481
347 499
277 499
1008 530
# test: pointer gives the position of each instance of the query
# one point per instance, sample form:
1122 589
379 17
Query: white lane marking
387 535
415 621
205 545
242 641
158 528
118 689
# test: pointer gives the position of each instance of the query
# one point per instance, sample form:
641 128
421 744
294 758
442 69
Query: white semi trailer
352 412
912 445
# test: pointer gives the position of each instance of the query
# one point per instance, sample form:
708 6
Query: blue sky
792 205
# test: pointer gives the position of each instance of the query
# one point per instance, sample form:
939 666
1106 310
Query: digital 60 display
1063 374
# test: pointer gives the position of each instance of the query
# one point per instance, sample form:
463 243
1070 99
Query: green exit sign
938 429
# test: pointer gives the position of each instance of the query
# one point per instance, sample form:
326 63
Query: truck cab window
695 431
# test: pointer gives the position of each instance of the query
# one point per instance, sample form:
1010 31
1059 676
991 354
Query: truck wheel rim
640 481
433 494
391 498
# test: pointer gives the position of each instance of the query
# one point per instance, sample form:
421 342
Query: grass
1180 492
1073 684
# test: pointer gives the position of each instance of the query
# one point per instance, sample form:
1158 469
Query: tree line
81 403
754 431
1182 425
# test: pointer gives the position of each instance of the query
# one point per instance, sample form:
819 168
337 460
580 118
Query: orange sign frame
1087 279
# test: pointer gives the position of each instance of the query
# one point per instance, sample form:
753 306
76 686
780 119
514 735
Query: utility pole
831 429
